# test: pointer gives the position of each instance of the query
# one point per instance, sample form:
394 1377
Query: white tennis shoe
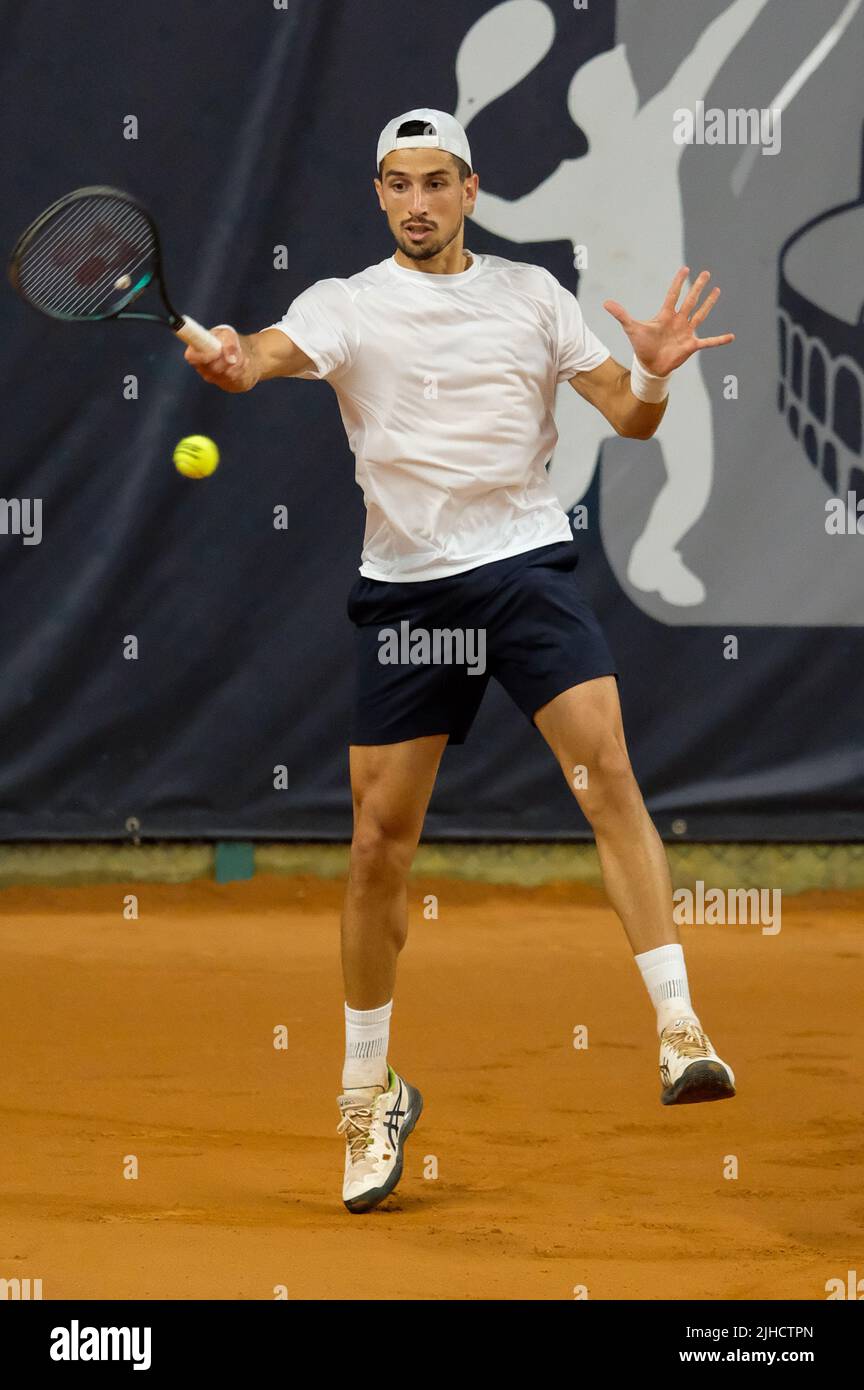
690 1069
376 1124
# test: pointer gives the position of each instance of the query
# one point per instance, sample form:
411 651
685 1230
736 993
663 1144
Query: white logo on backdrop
622 201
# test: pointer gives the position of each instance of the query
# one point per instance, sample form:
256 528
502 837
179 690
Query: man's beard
424 252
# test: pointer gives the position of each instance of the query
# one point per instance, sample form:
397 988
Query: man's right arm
246 359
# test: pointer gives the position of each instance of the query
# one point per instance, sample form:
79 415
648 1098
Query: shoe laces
688 1040
356 1125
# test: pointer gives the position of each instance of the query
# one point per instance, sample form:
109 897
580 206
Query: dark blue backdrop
257 127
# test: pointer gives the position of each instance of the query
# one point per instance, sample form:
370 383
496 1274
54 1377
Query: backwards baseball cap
440 131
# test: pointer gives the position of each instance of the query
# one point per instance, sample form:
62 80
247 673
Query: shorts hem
557 688
380 740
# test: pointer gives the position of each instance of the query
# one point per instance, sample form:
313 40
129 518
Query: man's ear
379 190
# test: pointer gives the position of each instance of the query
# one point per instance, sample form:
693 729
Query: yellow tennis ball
196 456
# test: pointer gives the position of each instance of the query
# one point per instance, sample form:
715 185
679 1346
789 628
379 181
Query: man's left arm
607 388
634 400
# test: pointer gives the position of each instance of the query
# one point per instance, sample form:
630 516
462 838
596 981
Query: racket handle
197 337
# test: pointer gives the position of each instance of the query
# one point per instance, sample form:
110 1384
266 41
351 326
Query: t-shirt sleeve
579 350
322 321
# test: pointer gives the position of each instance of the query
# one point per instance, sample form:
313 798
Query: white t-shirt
446 386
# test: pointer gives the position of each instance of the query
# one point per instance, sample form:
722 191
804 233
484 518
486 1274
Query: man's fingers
617 311
715 342
216 366
692 298
675 288
705 307
227 355
205 357
230 341
199 358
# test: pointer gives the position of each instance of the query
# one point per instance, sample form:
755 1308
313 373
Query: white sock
665 976
367 1033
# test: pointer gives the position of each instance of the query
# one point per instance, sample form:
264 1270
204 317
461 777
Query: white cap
441 132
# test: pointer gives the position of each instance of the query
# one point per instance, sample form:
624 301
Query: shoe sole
701 1081
373 1198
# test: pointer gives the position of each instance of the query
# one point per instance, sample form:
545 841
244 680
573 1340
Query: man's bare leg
391 785
583 728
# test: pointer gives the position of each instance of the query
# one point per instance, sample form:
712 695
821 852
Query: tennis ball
196 456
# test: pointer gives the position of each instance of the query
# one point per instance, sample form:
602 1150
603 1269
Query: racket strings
50 258
73 264
135 250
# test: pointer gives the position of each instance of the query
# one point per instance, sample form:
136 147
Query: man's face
424 199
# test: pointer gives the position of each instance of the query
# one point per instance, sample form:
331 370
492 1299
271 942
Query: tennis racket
91 255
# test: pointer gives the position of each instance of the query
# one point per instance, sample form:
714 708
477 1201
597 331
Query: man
445 366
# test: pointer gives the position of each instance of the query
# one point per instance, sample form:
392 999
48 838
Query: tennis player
445 365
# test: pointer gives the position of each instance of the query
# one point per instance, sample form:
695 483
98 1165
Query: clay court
556 1167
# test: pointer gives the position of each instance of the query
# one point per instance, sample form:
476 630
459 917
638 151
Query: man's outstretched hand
667 340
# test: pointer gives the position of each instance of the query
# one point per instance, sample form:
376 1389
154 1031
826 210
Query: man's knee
381 847
606 787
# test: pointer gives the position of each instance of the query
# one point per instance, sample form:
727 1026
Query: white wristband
645 385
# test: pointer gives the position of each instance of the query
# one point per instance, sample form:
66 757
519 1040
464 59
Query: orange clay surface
556 1167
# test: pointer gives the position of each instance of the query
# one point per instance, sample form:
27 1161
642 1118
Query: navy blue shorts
425 651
